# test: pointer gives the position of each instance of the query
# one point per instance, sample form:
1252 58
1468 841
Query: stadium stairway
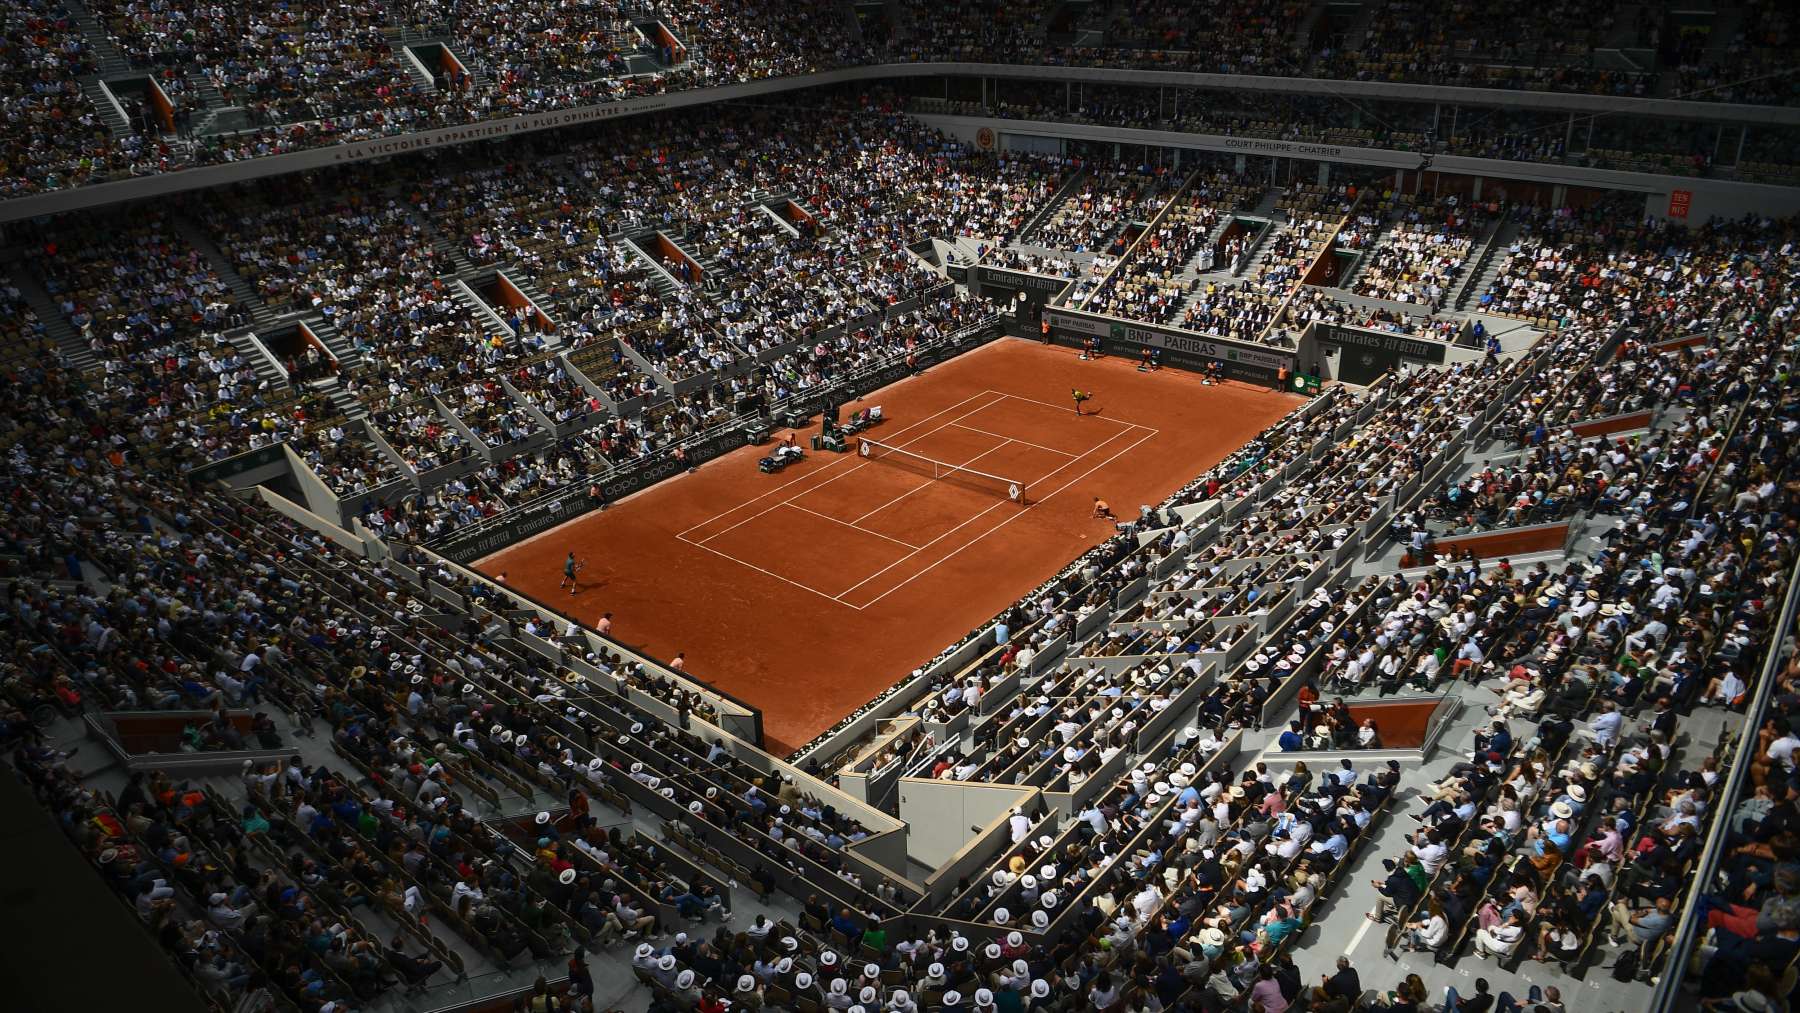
1348 282
209 93
1036 221
349 360
479 310
1727 20
215 108
1472 267
1480 275
1259 251
254 351
347 356
847 14
900 16
103 103
530 290
1265 208
660 279
56 326
242 293
1194 291
107 55
1309 23
448 248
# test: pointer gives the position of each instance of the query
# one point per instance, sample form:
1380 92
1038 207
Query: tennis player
1102 511
1078 396
571 567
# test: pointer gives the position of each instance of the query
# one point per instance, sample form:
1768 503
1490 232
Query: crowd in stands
1451 45
1103 207
315 881
310 74
1546 840
1582 835
1420 259
1150 285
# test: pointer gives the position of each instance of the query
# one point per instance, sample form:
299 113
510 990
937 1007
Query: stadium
899 506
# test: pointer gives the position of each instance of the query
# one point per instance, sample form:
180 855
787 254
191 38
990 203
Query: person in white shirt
1020 826
1603 730
1429 852
1501 939
1723 690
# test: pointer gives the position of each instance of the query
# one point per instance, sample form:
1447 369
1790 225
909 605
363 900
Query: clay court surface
807 592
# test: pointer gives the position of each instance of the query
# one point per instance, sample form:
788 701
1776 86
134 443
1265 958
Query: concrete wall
940 813
1713 198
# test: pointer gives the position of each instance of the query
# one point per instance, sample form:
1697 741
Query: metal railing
1688 931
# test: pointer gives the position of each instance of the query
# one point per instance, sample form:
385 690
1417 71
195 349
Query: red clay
808 592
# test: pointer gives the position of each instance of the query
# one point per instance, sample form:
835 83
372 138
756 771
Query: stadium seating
152 88
473 335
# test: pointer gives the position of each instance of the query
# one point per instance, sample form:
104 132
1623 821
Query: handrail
1137 244
1325 250
1687 930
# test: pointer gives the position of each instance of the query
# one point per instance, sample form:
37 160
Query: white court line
834 462
1009 439
964 524
850 470
928 482
848 524
1009 520
770 573
1069 409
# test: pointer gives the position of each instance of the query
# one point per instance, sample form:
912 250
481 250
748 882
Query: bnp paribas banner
1198 344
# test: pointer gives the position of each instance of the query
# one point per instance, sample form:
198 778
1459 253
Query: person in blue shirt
1291 740
847 925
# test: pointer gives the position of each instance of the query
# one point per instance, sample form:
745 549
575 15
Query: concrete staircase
1727 22
1036 221
56 326
1259 251
340 347
103 103
346 405
217 114
450 250
242 292
531 291
107 55
254 352
661 280
847 13
1348 282
208 93
110 61
1480 275
1354 28
349 361
479 311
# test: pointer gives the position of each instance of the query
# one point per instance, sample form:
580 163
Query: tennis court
856 529
809 591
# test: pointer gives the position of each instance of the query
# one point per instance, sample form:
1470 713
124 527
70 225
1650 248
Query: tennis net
1010 488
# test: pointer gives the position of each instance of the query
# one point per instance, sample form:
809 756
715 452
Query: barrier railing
1667 994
